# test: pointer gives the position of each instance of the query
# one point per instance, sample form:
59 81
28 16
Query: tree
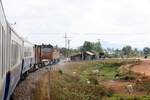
97 47
146 51
87 46
118 53
136 52
127 50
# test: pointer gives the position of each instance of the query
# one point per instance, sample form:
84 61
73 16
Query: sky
117 22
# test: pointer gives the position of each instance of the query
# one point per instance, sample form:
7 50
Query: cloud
116 21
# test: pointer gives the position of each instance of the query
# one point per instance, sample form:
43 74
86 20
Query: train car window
3 51
8 48
21 52
27 52
46 50
0 52
15 54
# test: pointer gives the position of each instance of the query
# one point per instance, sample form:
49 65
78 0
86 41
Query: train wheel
11 97
24 76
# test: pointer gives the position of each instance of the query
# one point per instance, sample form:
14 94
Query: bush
60 72
93 80
128 77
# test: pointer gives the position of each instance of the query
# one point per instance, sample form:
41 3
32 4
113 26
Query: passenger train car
16 47
28 58
5 62
11 55
18 57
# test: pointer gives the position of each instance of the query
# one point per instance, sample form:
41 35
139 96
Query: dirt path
116 86
143 68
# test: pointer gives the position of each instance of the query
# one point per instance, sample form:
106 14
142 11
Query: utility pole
98 55
99 41
68 47
65 40
65 43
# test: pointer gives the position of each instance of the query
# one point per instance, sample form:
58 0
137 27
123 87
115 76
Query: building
87 55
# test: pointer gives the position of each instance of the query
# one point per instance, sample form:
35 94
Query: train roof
26 41
45 46
1 4
12 29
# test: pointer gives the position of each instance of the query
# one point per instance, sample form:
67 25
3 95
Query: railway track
26 89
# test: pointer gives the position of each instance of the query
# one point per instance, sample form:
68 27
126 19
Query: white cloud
118 21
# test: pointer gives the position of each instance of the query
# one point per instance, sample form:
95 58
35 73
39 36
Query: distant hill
106 44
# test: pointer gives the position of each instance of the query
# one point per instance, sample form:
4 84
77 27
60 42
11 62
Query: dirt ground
117 86
120 86
143 68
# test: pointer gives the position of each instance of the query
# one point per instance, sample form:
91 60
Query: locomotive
18 56
46 54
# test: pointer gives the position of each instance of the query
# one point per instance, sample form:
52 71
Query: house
87 55
77 57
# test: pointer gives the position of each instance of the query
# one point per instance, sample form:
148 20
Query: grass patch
81 80
68 87
128 97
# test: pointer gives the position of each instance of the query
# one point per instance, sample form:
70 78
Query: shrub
93 80
60 72
128 77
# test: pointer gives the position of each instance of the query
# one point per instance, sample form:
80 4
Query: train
18 57
46 54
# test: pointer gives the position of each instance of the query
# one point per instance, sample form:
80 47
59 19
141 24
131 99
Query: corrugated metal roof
90 53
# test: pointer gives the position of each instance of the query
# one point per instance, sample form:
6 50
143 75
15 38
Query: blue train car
16 60
28 58
5 42
11 55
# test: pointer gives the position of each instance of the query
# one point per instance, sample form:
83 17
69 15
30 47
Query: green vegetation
146 51
128 97
83 81
96 47
91 46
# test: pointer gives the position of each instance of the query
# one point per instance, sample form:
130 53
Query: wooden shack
87 55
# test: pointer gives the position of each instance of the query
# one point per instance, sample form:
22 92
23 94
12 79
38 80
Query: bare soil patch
142 68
